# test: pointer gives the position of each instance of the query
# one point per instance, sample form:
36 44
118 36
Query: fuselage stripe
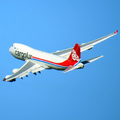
49 62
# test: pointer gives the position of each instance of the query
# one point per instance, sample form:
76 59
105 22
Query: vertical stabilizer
75 55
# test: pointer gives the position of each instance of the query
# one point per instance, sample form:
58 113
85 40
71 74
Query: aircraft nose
11 50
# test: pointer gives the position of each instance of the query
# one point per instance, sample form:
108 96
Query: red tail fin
75 55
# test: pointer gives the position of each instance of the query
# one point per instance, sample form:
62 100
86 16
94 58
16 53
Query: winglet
116 32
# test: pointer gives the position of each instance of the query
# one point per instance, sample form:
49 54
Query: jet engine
15 70
80 65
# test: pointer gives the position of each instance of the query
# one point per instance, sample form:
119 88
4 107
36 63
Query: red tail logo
75 54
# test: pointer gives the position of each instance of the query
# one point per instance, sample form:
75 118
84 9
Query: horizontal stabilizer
91 60
70 68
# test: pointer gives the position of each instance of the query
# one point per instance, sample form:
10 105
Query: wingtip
4 79
116 32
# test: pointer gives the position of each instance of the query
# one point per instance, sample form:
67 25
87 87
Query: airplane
65 60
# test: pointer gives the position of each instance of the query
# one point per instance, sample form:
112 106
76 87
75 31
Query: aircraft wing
89 45
29 66
85 46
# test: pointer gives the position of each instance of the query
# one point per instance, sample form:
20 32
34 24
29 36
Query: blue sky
92 93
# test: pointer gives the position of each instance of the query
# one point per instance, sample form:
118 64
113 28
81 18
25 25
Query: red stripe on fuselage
65 63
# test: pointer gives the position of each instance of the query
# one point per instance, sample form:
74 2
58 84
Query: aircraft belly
56 67
48 65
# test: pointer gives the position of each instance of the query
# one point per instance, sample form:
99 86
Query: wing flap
37 69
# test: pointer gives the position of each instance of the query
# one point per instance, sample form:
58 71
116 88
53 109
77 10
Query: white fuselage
24 52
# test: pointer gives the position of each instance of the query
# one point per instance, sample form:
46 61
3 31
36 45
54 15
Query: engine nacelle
13 80
15 70
80 65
